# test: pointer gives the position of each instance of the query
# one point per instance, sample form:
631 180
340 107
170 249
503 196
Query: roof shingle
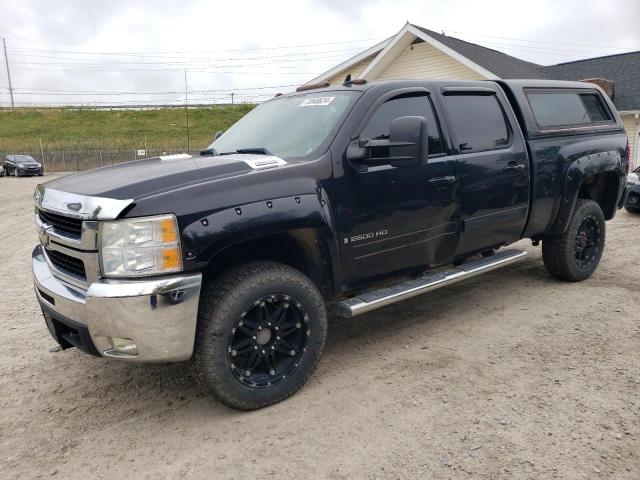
503 65
623 69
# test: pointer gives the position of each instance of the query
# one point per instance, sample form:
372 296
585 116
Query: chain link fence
80 160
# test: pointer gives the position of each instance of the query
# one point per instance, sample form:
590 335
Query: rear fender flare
578 171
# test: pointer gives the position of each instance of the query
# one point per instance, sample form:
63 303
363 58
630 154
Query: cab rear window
568 109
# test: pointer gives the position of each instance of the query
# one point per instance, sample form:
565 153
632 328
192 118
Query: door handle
512 168
440 183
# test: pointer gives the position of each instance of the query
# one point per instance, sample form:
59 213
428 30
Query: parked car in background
22 166
632 204
1 171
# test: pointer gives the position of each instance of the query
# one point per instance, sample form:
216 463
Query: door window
403 106
477 122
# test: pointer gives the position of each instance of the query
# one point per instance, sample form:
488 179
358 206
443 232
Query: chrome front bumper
158 314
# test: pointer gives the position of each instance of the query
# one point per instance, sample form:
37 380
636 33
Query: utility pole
6 61
232 98
186 108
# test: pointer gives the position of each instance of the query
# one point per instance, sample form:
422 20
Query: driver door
394 219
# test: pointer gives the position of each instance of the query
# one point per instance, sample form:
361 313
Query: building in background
415 52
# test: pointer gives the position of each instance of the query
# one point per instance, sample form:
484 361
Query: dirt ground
511 375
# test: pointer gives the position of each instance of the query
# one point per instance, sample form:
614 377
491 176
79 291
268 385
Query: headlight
20 165
633 179
139 247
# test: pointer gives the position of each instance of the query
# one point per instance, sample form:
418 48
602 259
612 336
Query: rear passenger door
492 165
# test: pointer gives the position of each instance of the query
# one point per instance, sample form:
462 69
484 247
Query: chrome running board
365 302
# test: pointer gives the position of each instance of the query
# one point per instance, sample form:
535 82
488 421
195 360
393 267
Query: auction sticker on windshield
316 101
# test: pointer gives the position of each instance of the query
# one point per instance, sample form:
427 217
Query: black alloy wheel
586 243
268 341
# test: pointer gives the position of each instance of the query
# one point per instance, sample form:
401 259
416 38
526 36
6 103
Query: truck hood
143 178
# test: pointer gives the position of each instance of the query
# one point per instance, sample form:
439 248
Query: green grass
68 129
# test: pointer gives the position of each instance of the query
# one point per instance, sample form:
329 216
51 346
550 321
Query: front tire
575 255
261 331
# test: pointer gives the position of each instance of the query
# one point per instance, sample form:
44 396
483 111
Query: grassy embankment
68 129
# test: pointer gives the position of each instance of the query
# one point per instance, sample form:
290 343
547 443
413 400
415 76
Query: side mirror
217 135
405 147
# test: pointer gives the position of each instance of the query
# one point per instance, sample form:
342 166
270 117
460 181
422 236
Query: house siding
631 127
354 70
426 61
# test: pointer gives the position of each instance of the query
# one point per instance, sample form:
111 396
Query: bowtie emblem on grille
37 196
43 234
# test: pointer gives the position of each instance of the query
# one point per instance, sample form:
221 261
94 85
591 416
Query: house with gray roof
416 52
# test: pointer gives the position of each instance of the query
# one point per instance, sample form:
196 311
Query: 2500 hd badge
231 259
366 236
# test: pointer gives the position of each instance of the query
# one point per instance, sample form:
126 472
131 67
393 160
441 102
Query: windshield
24 159
288 127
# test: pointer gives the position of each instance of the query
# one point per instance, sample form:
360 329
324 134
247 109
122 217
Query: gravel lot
509 375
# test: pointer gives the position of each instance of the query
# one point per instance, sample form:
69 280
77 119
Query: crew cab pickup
343 198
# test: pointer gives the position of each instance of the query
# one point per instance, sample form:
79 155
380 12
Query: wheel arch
598 177
304 249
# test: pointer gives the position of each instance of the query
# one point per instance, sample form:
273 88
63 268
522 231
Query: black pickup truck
346 198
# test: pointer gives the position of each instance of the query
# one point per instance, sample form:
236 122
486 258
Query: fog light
124 346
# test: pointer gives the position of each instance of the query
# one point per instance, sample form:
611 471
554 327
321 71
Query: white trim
629 112
384 54
371 72
349 63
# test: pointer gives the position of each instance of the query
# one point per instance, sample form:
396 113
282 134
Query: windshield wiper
258 150
209 151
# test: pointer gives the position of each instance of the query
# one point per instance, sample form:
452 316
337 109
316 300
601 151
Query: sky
136 52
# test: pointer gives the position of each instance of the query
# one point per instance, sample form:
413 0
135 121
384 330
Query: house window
379 125
565 109
477 122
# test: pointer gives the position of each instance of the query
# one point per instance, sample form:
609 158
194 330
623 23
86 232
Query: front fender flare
207 237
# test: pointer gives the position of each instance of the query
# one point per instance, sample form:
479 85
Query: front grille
62 223
67 264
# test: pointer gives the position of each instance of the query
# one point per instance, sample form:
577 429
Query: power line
200 66
163 52
166 58
79 92
43 94
177 103
211 72
534 49
546 42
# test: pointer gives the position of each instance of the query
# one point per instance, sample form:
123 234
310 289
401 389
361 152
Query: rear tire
575 255
261 331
